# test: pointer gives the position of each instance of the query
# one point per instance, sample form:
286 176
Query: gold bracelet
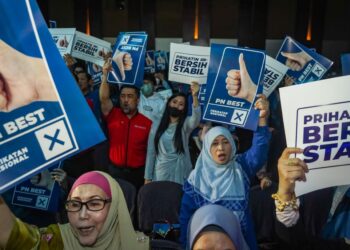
281 205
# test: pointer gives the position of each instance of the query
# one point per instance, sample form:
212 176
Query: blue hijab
217 216
215 181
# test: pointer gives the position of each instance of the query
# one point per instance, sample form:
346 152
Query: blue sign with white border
234 65
305 65
128 58
44 117
43 195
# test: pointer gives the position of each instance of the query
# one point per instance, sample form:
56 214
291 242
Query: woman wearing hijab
98 219
168 156
222 177
212 226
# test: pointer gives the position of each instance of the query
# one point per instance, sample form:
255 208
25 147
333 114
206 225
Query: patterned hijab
118 232
215 181
215 215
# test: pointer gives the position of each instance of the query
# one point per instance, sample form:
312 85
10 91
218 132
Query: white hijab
215 181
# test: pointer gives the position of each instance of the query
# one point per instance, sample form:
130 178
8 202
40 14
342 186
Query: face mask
174 112
147 89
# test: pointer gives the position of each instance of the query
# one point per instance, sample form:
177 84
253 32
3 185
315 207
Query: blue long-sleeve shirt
251 161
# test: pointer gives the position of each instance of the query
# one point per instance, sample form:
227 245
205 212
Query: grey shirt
168 165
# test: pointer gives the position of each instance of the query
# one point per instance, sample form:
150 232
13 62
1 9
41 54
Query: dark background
254 23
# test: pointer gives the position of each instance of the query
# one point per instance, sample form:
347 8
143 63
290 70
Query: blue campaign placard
305 65
96 72
161 60
128 58
150 66
345 64
44 117
43 195
244 67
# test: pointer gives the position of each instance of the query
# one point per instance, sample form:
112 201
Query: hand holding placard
262 104
149 60
290 170
239 83
124 62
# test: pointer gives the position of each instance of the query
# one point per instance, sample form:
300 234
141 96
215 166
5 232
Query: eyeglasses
92 205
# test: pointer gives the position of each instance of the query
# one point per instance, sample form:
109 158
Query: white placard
89 48
274 73
316 118
63 38
188 63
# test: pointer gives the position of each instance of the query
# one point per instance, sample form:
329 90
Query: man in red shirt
128 132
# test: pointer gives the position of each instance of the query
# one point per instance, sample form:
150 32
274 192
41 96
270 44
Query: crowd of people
150 133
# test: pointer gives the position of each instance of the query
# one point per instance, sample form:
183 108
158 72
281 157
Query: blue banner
305 65
44 117
150 66
128 58
41 192
161 60
235 78
95 71
345 64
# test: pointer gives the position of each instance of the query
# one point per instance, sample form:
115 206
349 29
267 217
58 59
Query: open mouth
86 230
222 157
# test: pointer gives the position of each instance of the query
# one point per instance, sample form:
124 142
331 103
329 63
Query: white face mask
157 81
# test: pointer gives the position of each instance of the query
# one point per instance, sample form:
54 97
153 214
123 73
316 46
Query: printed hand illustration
96 68
123 61
296 61
160 60
239 83
64 42
102 53
149 60
23 79
42 180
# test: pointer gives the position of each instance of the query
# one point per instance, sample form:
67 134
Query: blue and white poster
40 192
96 72
188 63
345 64
274 73
305 65
235 78
161 60
44 118
128 58
202 94
319 123
150 65
89 48
63 39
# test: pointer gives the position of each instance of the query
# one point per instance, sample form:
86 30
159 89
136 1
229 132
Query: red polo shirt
128 138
